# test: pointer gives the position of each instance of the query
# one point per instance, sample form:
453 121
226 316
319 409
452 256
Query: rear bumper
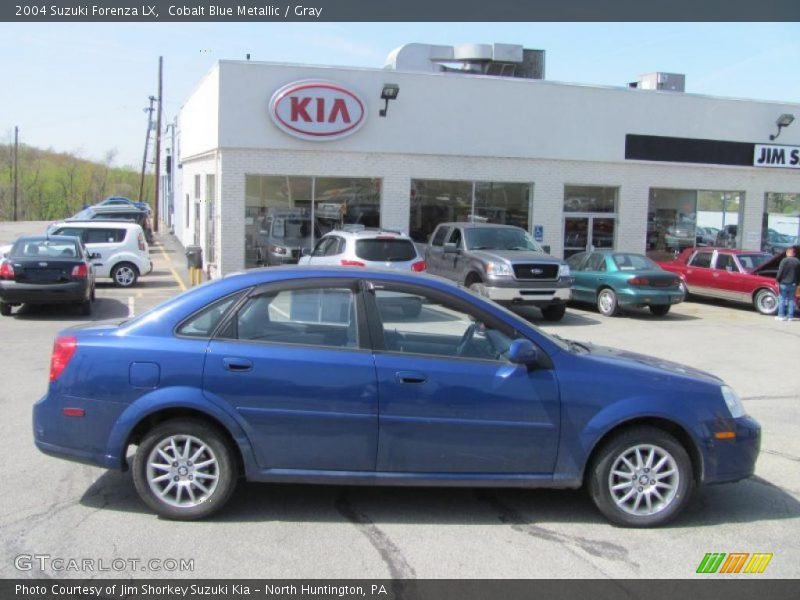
649 297
529 295
33 293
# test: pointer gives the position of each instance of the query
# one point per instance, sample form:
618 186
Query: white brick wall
548 178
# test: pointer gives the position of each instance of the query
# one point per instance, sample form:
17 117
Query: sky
83 87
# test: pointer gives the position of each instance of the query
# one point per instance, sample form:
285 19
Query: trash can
194 261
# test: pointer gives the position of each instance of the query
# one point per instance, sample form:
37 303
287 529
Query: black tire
607 302
478 288
5 309
554 312
218 450
125 275
660 310
86 308
766 302
600 479
92 296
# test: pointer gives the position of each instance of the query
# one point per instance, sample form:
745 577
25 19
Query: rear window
701 259
44 249
386 250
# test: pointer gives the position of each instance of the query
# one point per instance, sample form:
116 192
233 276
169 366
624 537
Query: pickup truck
501 262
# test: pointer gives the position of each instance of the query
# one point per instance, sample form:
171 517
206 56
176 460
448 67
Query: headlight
279 250
563 270
498 269
733 402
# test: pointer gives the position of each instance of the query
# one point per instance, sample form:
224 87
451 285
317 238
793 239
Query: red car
729 274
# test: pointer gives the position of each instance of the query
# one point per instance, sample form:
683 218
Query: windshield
49 249
495 238
634 262
751 261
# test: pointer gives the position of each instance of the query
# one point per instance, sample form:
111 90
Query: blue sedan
314 375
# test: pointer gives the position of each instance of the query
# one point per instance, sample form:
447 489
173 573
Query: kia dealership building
267 157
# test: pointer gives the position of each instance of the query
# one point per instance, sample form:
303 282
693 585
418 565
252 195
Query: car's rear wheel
554 312
642 477
86 308
766 302
124 275
184 469
5 309
659 309
607 303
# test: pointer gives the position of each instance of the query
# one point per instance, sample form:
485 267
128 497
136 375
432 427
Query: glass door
586 233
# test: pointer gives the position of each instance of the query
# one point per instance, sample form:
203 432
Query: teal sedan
616 280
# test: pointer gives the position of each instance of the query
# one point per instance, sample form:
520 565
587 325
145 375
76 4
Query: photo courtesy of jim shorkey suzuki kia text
125 590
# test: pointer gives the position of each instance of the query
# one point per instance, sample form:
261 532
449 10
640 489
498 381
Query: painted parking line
130 306
171 268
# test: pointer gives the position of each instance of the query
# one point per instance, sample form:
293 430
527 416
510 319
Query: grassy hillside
56 185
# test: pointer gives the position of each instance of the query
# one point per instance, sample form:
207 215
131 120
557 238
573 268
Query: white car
120 248
358 246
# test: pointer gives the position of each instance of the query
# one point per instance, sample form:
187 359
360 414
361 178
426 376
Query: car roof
47 238
473 225
118 208
725 250
97 223
369 232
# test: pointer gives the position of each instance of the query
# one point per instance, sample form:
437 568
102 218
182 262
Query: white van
123 251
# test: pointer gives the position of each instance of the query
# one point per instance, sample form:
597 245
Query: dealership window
436 201
589 218
679 219
781 222
211 235
285 214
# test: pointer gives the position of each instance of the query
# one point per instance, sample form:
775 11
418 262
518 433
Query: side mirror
523 352
451 248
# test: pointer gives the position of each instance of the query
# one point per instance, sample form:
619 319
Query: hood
772 263
515 256
651 361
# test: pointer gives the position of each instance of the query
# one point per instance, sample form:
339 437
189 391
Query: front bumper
13 292
532 295
728 460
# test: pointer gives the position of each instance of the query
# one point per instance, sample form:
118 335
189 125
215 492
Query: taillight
6 271
141 242
80 272
63 349
638 281
351 263
419 266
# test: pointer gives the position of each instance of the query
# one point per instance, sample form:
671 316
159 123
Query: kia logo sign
317 110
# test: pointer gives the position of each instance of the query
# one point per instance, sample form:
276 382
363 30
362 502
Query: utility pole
157 200
149 112
16 168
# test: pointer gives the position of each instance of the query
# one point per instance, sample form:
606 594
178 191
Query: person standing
788 277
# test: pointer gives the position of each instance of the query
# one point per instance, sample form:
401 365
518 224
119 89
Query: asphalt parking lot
60 509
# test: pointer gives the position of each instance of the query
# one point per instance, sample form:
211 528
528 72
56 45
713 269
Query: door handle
237 365
414 377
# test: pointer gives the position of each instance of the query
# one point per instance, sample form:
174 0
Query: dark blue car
313 375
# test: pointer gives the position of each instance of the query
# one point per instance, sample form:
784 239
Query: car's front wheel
642 477
766 302
5 309
184 469
554 312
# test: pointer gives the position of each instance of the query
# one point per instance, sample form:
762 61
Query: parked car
775 242
124 201
727 274
706 236
46 270
726 237
501 262
296 375
119 248
359 246
615 280
117 213
283 235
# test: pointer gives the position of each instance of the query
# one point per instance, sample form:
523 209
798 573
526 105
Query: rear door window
386 250
702 260
104 236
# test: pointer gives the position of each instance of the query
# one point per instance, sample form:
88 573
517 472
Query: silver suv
358 246
501 262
